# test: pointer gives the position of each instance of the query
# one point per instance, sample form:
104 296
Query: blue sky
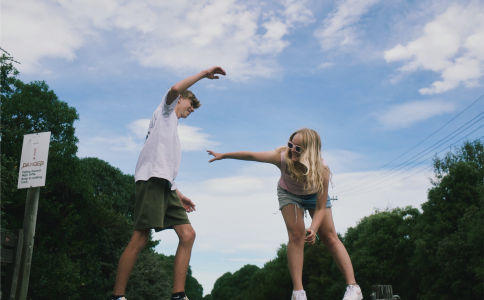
373 77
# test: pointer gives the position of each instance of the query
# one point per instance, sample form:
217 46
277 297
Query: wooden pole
30 220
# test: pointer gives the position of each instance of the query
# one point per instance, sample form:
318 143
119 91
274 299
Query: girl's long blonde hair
313 172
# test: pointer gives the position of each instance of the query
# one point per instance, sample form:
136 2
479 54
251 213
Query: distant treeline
85 210
433 255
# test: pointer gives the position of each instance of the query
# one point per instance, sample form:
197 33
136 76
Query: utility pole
30 221
32 171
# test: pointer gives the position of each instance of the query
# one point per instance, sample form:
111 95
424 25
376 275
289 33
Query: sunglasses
297 148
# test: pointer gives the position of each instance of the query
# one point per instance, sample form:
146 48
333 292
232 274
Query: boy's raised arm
186 83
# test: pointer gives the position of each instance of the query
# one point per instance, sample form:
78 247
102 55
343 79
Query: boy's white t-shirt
161 153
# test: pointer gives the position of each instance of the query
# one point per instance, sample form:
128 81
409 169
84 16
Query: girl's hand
218 156
311 236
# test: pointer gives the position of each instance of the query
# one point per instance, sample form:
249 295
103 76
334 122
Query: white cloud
140 128
33 29
340 161
191 139
406 114
338 28
116 143
181 36
452 45
295 11
325 65
215 87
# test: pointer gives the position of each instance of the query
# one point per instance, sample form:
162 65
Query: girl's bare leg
295 246
328 236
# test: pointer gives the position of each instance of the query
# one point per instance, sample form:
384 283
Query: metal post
30 220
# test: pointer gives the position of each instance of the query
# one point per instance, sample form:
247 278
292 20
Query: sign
33 163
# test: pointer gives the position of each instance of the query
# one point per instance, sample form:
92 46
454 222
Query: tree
458 188
192 287
9 176
380 247
8 73
233 286
321 277
273 281
150 278
461 255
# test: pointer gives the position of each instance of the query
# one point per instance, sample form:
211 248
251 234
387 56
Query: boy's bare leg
186 235
128 259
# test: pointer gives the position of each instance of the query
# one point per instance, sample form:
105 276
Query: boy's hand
214 70
218 156
187 204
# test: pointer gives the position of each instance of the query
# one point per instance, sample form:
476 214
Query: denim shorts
304 202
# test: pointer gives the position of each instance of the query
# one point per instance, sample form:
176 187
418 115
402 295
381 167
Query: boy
159 204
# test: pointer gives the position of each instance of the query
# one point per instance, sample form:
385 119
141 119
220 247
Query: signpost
32 171
33 163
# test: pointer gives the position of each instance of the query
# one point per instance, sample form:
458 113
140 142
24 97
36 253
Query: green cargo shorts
157 206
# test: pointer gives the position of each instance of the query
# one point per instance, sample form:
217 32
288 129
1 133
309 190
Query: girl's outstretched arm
271 157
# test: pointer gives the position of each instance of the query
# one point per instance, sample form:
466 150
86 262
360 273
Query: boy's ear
179 99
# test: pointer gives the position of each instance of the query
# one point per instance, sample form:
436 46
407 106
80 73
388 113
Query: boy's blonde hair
313 172
186 94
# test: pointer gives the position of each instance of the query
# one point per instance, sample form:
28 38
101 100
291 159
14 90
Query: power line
364 188
365 192
419 142
361 191
417 156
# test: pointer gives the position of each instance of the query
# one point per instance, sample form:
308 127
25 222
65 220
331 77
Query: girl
304 186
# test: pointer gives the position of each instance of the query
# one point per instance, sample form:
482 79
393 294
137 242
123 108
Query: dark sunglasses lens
289 145
298 149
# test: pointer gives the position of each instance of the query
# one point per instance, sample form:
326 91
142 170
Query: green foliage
9 177
109 185
233 286
321 277
193 289
87 232
8 73
380 246
273 281
150 279
457 189
460 255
